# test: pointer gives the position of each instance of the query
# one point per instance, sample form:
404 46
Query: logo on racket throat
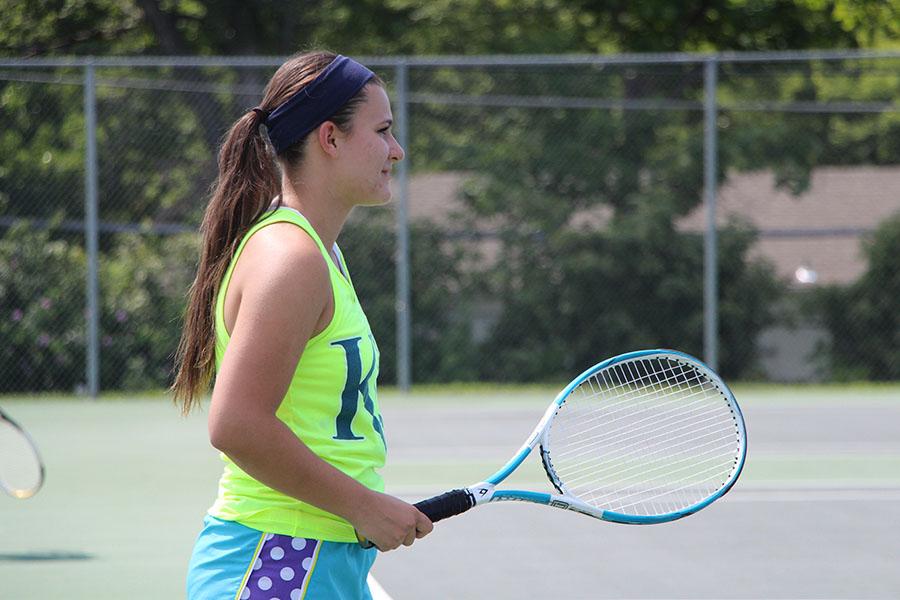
481 492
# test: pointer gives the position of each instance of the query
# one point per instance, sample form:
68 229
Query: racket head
21 467
645 437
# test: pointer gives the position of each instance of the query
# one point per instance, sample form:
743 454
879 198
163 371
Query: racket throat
547 463
482 492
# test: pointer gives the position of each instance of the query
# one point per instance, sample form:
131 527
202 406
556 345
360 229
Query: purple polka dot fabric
281 568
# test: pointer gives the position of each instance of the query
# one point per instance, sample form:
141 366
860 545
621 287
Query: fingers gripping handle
448 504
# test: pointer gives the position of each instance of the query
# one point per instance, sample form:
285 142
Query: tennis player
274 316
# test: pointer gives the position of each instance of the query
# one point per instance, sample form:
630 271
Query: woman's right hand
387 522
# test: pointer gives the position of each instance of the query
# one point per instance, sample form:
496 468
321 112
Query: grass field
128 481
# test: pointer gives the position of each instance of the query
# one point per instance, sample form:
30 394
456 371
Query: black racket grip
448 504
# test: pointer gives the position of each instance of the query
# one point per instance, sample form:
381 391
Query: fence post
92 316
403 301
710 247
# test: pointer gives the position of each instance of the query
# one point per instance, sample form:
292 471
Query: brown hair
247 182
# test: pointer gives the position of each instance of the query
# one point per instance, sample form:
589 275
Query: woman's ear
327 134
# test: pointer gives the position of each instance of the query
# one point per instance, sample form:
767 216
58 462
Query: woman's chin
379 198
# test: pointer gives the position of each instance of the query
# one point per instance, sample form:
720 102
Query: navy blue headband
320 99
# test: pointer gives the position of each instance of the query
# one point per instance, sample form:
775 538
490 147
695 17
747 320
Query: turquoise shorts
234 562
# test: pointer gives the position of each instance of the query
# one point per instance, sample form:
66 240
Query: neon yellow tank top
331 405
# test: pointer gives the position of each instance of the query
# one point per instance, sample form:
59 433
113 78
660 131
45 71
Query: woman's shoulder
283 251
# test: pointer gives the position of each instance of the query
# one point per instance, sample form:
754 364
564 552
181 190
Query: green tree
535 169
863 319
41 311
42 299
371 27
144 280
577 296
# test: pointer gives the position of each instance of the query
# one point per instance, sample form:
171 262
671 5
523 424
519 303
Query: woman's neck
325 212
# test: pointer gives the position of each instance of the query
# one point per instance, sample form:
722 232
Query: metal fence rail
523 173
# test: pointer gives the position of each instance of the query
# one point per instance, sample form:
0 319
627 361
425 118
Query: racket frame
485 492
24 493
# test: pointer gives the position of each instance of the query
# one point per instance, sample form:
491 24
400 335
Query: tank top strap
284 213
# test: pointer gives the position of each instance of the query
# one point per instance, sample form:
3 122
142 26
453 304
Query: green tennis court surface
812 517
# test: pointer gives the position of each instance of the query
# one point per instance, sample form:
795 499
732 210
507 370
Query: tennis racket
644 437
21 468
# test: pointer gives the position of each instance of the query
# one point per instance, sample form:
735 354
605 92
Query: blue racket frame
484 492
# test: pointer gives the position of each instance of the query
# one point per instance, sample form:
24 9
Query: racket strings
672 469
598 422
665 444
649 378
685 443
631 496
628 400
645 437
639 474
646 467
665 429
661 490
649 473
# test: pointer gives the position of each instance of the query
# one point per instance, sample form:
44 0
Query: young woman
274 316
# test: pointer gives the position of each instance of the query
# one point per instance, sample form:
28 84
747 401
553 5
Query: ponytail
247 182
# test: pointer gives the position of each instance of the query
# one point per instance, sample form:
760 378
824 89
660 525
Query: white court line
786 451
376 590
828 448
823 491
813 495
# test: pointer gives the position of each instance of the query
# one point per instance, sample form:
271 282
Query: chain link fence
552 211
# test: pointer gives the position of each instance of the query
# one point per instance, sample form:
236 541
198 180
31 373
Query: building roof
814 237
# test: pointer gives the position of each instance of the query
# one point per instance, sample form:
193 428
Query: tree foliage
42 322
863 319
576 296
376 27
42 283
579 172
